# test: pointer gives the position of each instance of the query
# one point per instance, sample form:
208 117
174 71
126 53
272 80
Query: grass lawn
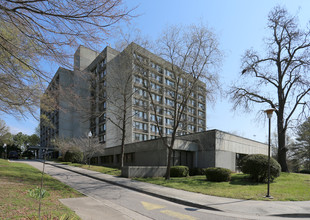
287 187
101 169
15 203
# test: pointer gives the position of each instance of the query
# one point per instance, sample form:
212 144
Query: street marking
151 206
178 215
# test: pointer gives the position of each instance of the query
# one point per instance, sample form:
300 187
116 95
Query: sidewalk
245 208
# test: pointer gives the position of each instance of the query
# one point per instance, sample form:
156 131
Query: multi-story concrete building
101 82
104 88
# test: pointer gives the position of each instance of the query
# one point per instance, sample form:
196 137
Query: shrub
73 156
305 171
196 171
257 166
218 174
179 171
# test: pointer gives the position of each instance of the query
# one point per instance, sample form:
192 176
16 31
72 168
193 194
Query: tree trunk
170 151
281 143
123 131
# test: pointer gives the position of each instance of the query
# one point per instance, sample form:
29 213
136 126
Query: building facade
94 96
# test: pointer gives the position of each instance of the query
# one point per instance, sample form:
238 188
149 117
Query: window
157 98
156 77
169 102
157 109
155 86
140 114
153 137
139 57
138 80
168 111
180 97
191 110
102 118
201 89
200 129
169 121
170 93
170 74
102 106
140 70
140 92
191 127
139 137
139 102
103 62
155 129
102 128
169 83
140 125
201 106
201 98
157 67
201 122
102 74
169 131
192 102
102 138
191 119
153 118
201 113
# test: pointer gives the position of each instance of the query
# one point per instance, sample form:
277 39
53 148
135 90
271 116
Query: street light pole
269 115
89 137
5 151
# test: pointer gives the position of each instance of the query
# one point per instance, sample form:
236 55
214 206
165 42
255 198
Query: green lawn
15 203
101 169
287 187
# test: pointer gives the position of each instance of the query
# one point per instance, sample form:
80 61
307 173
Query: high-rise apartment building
94 96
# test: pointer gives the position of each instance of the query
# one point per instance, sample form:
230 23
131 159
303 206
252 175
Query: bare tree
89 146
37 32
280 78
193 55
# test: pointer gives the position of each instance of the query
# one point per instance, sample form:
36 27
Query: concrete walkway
246 208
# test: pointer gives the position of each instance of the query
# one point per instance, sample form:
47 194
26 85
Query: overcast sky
239 25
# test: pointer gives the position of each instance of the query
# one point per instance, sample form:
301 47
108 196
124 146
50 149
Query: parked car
13 155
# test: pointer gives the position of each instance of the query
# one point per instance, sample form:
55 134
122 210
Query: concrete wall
65 108
83 57
233 143
143 171
225 159
119 92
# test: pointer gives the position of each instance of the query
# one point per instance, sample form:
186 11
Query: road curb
168 198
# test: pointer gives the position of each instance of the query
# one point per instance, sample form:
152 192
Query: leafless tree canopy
280 78
35 32
193 56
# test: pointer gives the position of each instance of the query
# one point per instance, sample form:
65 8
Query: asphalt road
121 203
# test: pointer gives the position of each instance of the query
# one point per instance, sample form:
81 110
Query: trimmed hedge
197 171
73 156
179 171
218 174
257 166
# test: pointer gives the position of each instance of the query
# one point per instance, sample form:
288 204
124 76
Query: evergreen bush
218 174
73 156
179 171
257 166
